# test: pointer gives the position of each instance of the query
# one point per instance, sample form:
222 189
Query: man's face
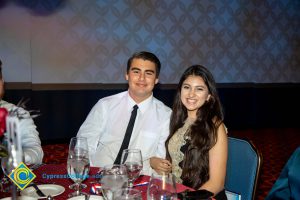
141 78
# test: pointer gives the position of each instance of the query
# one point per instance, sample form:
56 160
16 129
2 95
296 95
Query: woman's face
194 93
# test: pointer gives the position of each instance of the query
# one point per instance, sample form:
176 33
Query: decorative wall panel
72 41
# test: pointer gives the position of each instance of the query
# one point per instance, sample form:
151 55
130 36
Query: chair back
243 168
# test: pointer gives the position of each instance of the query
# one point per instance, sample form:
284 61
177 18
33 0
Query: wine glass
128 194
162 187
114 177
132 159
78 164
7 167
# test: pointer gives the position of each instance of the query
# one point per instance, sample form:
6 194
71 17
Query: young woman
197 144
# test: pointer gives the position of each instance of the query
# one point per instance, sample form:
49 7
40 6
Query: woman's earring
208 98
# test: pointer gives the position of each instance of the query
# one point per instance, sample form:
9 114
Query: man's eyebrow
135 68
147 70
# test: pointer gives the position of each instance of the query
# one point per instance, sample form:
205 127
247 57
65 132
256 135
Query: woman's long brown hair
203 132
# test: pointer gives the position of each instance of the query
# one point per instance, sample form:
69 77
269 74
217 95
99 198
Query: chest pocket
147 142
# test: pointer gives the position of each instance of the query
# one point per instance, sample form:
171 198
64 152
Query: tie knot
135 107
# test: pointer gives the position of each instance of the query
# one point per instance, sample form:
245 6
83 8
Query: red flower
3 114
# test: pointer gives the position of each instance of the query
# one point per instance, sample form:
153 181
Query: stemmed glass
114 177
7 167
128 194
132 159
162 187
78 164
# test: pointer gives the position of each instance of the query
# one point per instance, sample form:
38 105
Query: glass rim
108 165
156 175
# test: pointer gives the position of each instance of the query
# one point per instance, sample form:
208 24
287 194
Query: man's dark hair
145 56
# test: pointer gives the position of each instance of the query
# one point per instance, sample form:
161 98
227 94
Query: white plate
21 198
47 189
92 197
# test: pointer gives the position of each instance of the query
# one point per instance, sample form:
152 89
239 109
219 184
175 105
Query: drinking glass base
78 190
77 187
77 193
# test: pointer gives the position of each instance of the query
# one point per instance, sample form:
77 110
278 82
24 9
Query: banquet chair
243 168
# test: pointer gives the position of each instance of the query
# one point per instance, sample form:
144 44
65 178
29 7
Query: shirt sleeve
161 149
92 127
31 143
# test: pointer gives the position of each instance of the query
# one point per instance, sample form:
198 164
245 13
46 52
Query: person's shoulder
12 107
7 105
224 127
160 105
112 98
220 123
297 151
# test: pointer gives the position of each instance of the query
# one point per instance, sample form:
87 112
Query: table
53 173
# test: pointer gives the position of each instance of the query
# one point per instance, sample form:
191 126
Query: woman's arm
217 163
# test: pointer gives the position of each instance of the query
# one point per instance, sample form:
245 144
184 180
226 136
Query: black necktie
127 136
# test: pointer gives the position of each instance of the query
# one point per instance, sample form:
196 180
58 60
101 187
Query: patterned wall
71 41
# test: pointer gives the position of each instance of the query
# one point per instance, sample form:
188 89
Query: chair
243 168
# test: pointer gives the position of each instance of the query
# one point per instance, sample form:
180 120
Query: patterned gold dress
176 143
177 146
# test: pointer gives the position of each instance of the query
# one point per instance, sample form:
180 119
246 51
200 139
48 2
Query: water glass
132 159
7 167
114 177
128 194
78 165
162 187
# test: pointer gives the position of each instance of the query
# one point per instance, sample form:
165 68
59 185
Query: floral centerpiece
3 115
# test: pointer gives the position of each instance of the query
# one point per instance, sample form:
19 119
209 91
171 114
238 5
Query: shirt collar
142 106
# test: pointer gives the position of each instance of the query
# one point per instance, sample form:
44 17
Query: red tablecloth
49 173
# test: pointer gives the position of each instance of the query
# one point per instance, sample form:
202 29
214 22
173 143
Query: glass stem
130 184
113 195
79 188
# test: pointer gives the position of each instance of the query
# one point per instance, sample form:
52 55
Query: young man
106 124
31 143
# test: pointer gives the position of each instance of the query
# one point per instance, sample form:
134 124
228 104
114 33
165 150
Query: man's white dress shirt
106 124
31 143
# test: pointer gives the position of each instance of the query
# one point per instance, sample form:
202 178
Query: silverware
35 166
87 197
49 197
38 191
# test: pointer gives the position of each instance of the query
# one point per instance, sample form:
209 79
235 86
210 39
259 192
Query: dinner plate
47 189
92 197
20 198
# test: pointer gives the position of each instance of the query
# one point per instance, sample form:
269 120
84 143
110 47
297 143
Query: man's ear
156 80
126 77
